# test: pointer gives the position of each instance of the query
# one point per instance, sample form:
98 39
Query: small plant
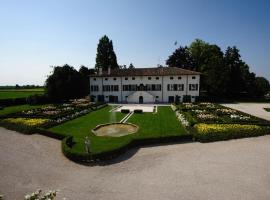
37 195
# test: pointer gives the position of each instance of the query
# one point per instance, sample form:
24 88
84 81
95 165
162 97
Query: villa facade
145 85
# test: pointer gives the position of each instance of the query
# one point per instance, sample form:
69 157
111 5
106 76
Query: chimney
100 71
109 70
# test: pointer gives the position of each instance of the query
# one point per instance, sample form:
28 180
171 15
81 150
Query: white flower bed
182 118
240 117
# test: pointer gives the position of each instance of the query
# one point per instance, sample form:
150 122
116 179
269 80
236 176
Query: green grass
267 109
19 93
162 124
14 109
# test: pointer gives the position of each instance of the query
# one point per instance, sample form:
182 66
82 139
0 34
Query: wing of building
145 85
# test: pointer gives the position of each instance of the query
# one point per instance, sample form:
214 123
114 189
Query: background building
145 85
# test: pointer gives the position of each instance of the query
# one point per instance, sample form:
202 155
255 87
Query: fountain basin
115 129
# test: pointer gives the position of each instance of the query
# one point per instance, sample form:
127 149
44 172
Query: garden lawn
161 124
14 109
19 93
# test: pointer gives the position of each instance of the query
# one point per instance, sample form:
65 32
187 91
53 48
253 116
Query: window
193 77
158 87
193 87
179 77
157 78
175 87
149 78
180 87
115 88
171 78
129 88
114 79
148 87
94 88
106 79
133 78
126 78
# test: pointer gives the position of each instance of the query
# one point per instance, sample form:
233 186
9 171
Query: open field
19 93
236 169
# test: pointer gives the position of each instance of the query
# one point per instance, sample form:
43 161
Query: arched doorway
140 99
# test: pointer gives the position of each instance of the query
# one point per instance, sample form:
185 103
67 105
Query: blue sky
35 35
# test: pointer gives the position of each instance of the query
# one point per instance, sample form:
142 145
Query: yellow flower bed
208 128
215 132
27 121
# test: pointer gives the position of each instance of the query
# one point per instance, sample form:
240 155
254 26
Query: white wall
163 96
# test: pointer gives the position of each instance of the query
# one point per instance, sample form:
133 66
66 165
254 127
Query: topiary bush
125 110
138 111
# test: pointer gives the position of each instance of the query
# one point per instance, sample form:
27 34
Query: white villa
144 85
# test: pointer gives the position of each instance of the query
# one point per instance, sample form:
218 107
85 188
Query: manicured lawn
14 109
267 109
162 124
19 93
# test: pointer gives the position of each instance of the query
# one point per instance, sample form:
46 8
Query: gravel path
255 109
235 170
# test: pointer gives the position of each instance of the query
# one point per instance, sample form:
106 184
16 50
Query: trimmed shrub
13 102
125 110
82 157
215 132
138 111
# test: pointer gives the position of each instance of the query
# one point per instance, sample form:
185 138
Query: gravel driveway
235 170
255 109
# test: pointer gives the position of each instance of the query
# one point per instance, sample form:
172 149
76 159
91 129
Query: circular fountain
115 129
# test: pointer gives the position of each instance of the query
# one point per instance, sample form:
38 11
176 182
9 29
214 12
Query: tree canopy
223 74
65 83
182 58
106 56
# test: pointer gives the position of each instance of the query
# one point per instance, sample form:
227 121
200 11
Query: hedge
125 110
215 132
138 111
83 157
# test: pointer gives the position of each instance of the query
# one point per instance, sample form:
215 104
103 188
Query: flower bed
27 121
215 132
214 113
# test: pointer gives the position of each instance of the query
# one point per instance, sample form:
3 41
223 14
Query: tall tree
262 86
64 83
85 72
209 60
241 82
182 58
105 57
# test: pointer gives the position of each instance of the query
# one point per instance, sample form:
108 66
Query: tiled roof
158 71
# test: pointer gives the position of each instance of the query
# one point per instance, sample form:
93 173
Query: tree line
224 74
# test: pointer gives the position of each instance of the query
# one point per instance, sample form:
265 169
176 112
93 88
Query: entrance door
140 99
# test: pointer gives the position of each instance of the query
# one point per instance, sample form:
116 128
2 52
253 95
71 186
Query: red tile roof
158 71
